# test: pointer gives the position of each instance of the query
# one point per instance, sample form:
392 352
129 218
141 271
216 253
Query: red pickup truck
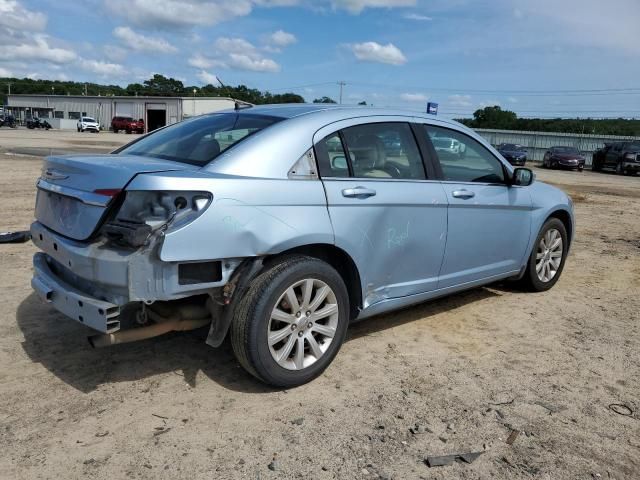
127 124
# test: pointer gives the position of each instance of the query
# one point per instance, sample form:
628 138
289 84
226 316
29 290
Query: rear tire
264 314
537 278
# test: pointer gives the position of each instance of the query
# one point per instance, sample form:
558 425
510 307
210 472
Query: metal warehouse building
63 111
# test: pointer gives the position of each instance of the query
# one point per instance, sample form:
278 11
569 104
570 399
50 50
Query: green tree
324 100
494 116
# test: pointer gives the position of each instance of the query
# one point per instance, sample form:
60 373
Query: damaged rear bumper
89 282
90 311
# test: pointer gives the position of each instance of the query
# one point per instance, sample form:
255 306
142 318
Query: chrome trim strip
87 198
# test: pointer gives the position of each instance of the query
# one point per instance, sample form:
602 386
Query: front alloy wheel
291 322
548 256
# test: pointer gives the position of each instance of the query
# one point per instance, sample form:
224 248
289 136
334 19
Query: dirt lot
468 370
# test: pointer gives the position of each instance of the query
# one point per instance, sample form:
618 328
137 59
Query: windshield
571 150
200 140
89 119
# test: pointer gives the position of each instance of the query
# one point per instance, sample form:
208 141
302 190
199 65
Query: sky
539 58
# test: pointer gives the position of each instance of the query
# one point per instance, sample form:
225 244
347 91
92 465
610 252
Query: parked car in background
563 157
88 123
513 153
128 124
448 145
623 157
299 225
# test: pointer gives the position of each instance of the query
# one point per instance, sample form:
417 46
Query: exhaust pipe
142 333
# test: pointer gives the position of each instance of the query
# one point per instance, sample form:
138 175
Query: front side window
200 140
464 159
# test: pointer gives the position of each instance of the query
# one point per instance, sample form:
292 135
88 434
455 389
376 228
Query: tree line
158 85
497 118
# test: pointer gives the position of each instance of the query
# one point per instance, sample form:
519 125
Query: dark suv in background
128 124
513 153
623 157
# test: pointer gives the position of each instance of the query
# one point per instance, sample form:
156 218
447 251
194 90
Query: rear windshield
200 140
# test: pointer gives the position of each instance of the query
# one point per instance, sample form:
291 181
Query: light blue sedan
280 225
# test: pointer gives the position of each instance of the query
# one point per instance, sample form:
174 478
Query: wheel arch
340 260
565 217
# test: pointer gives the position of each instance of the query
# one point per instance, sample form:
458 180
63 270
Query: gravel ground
456 375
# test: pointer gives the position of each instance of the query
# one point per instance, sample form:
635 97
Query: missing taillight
144 212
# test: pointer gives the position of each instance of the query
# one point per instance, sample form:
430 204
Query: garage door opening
156 116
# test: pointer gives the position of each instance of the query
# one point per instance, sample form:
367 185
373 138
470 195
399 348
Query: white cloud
414 97
246 62
179 13
114 53
192 13
102 69
207 78
5 73
374 52
15 17
234 53
142 43
460 100
281 39
234 45
39 50
512 100
356 6
200 61
418 17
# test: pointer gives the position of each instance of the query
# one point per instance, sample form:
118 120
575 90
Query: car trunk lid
76 191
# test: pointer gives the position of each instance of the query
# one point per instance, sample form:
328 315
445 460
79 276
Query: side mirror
523 177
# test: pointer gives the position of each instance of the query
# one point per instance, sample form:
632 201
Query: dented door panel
396 237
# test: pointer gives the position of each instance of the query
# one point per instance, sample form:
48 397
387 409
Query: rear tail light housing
145 213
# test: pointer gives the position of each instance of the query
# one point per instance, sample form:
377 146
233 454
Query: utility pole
9 85
85 89
342 84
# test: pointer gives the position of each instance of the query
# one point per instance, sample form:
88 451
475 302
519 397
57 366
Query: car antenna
237 104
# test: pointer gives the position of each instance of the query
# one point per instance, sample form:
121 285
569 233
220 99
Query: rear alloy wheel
548 256
291 322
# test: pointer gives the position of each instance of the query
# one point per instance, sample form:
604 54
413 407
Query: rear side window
375 150
462 158
200 140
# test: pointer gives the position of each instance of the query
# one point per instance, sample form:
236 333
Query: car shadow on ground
60 345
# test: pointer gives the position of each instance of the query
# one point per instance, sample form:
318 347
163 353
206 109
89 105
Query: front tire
291 322
546 261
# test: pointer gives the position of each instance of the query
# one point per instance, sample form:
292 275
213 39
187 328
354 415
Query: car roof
337 112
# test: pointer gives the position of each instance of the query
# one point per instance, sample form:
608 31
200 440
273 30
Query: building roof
115 97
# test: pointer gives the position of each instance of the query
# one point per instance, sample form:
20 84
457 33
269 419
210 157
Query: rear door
489 221
386 211
613 154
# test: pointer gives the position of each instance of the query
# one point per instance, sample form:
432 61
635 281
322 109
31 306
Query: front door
488 221
385 213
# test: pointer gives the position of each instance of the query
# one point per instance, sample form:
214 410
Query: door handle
358 192
464 194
